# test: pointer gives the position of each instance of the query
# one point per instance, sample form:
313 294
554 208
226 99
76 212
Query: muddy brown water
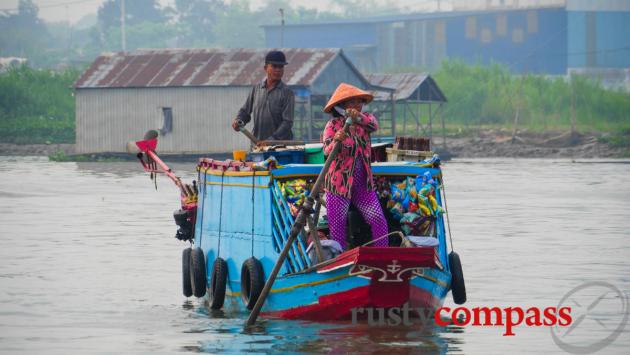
88 263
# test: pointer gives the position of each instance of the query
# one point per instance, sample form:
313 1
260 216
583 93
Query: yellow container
239 155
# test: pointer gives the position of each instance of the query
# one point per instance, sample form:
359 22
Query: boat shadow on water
225 334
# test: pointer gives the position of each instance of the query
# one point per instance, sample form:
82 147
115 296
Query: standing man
270 103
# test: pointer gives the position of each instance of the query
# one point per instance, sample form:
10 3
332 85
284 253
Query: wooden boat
238 220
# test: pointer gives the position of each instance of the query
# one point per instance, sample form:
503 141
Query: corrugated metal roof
407 86
201 67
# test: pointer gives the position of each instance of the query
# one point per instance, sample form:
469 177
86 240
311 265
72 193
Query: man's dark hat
276 57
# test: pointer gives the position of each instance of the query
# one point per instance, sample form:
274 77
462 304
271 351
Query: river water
88 264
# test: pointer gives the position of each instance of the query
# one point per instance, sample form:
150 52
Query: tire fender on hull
458 287
198 272
218 282
252 281
186 283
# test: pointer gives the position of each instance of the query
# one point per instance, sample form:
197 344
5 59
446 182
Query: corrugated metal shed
202 67
408 86
196 93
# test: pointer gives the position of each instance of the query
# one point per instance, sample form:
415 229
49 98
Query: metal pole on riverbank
123 38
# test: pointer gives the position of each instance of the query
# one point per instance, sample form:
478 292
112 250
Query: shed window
486 35
532 21
471 27
440 32
167 123
517 35
501 25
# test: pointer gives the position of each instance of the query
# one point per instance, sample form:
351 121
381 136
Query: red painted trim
339 305
409 257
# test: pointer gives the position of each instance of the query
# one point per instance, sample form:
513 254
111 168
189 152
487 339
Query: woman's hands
340 135
354 114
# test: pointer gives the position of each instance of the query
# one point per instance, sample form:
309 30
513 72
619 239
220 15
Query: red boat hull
390 271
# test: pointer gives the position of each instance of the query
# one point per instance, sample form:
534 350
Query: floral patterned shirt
356 146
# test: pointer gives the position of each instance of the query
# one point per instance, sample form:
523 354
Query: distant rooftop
408 86
201 67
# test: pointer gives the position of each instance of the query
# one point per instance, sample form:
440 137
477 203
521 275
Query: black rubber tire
198 272
458 287
186 284
218 283
252 281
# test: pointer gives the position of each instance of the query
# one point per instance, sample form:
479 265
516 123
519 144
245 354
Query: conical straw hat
345 92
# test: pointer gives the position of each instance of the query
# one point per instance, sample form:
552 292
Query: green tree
238 27
23 34
136 11
144 35
197 20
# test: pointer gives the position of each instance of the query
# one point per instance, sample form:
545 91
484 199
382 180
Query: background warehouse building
192 95
548 37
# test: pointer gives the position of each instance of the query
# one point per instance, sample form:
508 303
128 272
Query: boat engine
184 222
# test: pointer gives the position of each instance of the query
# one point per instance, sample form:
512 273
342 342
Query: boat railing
297 259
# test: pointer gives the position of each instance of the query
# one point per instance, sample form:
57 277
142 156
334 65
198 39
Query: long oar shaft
248 134
295 229
311 222
280 142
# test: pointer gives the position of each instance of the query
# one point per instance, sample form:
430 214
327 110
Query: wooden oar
312 227
247 133
297 226
279 142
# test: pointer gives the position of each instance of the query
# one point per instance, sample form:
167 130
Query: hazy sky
73 10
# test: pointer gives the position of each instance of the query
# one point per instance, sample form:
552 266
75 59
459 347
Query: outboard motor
185 230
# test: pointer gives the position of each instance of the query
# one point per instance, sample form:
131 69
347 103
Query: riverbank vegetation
37 106
482 97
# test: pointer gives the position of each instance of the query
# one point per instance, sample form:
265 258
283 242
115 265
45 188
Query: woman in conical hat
349 180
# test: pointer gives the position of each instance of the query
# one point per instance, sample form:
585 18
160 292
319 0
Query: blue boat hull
239 217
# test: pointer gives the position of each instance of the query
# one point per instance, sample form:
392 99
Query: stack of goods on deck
295 192
411 202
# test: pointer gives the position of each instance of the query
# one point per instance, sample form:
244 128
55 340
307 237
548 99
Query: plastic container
283 157
239 155
314 153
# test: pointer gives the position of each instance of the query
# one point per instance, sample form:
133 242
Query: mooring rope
203 202
448 218
384 236
253 208
220 213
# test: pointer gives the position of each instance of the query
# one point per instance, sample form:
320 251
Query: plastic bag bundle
267 164
412 202
295 192
432 162
414 224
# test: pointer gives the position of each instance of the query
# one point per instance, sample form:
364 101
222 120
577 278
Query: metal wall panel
599 5
337 72
109 118
598 39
